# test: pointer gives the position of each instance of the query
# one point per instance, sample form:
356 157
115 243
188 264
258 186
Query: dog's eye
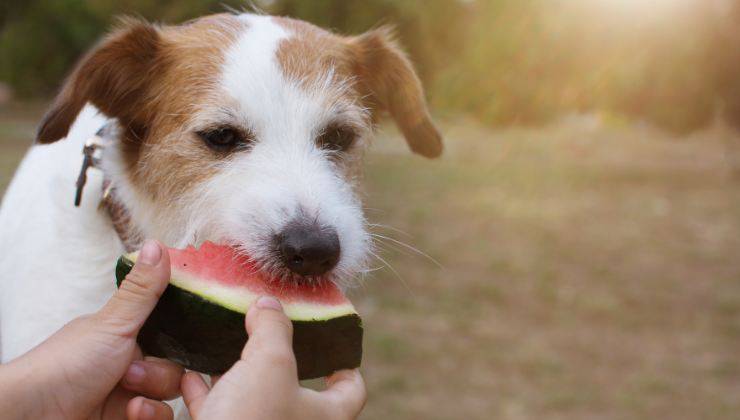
336 139
223 139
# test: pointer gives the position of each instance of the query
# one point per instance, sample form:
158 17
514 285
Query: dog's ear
392 84
113 76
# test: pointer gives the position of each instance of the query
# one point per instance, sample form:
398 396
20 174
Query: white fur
285 175
56 261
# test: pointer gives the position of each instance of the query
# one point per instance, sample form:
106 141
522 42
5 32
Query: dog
241 129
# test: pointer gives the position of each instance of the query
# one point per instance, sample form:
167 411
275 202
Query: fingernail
150 252
135 374
147 411
269 302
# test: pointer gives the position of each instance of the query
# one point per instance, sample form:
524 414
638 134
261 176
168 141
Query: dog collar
119 216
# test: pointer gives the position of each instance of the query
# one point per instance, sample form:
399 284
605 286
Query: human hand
92 367
264 383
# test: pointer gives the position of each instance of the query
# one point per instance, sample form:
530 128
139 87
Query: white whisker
390 267
409 247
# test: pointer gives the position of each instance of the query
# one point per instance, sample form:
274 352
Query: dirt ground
584 270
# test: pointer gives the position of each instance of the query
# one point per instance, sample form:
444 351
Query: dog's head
248 130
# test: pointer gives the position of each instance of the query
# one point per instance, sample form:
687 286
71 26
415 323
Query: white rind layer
239 299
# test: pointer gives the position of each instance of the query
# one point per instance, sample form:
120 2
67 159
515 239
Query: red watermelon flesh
221 274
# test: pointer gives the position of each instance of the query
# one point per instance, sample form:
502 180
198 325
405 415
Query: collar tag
91 152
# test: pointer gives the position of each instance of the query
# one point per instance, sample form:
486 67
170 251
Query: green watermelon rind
206 337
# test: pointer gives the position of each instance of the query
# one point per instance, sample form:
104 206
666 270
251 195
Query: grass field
586 272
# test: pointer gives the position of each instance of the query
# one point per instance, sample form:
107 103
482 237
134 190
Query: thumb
269 349
268 327
140 290
346 392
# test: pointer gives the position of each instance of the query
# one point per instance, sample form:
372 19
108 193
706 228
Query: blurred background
579 243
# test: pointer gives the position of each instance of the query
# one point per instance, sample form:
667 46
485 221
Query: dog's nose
308 250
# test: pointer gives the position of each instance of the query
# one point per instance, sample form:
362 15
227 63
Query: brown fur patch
152 79
169 162
311 52
390 78
386 78
307 56
103 77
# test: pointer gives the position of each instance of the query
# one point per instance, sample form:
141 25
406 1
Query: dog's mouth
275 268
303 251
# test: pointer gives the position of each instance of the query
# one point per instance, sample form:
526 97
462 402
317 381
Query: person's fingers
345 392
270 344
138 354
267 325
194 392
140 408
140 290
154 378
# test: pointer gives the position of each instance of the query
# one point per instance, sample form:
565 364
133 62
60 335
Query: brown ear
392 84
113 76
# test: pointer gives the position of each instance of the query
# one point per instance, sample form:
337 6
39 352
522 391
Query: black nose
308 249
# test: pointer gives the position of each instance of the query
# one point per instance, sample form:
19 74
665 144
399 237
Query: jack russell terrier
247 130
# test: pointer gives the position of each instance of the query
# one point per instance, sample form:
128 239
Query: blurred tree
41 39
504 61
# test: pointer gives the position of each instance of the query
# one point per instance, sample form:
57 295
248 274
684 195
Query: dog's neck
119 216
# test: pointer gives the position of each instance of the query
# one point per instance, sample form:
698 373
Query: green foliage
28 45
41 39
503 61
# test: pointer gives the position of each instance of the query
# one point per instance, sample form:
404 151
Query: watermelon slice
199 320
